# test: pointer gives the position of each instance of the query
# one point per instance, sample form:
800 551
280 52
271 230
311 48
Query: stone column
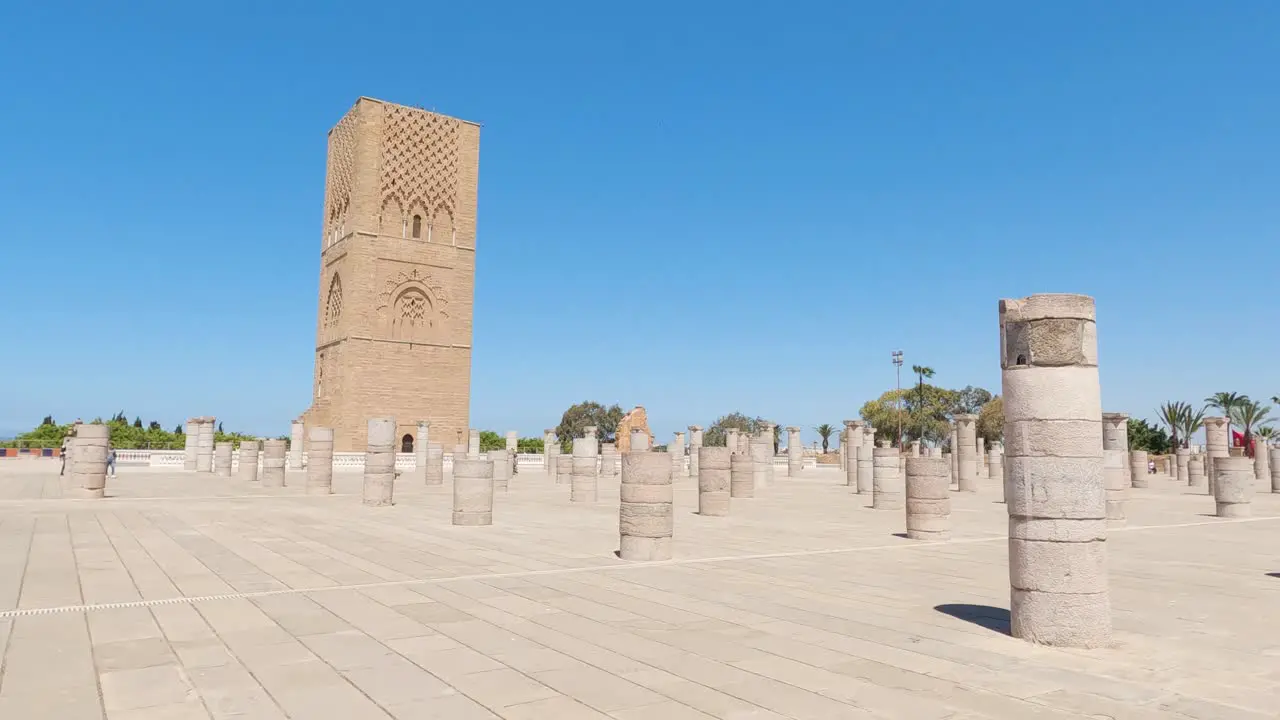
608 460
981 458
473 444
421 445
955 455
552 450
222 459
928 499
714 481
1056 495
501 468
435 464
853 437
887 486
995 461
742 477
1216 445
771 451
951 465
513 443
639 440
1115 436
967 462
1182 457
913 449
1195 472
319 465
472 491
795 452
676 448
762 456
695 442
1261 461
645 517
564 469
192 430
273 452
380 463
1233 486
744 443
584 482
89 461
1138 477
296 434
1275 469
204 445
249 460
866 461
548 439
731 440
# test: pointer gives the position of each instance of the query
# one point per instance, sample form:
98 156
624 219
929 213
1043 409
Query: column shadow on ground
1274 574
991 618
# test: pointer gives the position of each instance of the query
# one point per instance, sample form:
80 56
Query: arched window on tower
417 226
406 443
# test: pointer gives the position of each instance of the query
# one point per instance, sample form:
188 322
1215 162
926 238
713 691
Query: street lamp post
897 365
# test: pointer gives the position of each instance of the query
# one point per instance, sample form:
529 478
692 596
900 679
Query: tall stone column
584 482
1182 456
1056 495
1216 445
1115 480
501 469
190 438
1233 486
548 439
639 440
1195 472
380 463
513 443
713 481
928 499
888 488
1261 461
772 449
273 459
89 461
249 460
853 435
319 461
472 491
731 440
564 469
967 462
913 449
1115 436
1274 458
762 456
982 455
677 453
955 455
742 476
222 459
866 461
695 442
552 450
1138 477
421 446
995 461
296 435
608 460
473 443
435 464
645 516
795 452
204 444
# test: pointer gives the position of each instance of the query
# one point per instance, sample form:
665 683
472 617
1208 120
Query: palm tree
1250 415
1192 421
1226 402
1170 414
825 432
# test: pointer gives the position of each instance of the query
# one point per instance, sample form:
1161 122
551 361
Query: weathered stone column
1275 469
249 460
913 449
513 443
955 455
645 516
1216 445
888 488
552 451
501 468
380 463
695 442
548 439
273 452
967 462
1115 436
89 461
981 457
1115 463
222 459
744 443
319 461
742 477
435 464
1057 500
714 481
192 431
639 440
676 448
1195 472
1182 456
772 450
866 461
995 461
421 445
853 437
564 469
731 440
584 481
473 444
608 460
928 499
951 465
296 434
204 445
1233 486
1138 477
762 456
472 491
1261 461
795 452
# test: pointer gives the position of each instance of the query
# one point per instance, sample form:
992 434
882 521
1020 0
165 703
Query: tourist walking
111 460
66 443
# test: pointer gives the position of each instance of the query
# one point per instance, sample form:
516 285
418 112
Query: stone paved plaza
184 595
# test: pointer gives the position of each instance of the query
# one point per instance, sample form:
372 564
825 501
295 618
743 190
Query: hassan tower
397 275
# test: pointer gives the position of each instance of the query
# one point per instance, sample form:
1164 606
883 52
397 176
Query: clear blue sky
699 207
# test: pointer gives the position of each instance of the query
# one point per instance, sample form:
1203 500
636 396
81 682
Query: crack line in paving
27 612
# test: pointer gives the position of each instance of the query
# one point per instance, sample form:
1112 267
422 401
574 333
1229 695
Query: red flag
1237 439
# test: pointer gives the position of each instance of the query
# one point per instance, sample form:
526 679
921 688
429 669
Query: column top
792 429
695 428
424 423
965 417
1115 416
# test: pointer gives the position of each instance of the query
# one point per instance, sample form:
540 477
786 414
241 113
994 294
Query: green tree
137 422
927 410
530 445
825 431
1170 413
490 440
970 399
1250 416
1192 422
716 435
48 420
1226 402
990 424
1151 438
153 426
579 416
177 430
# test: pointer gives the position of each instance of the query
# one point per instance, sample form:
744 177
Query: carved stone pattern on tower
319 375
338 174
333 306
420 160
413 306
